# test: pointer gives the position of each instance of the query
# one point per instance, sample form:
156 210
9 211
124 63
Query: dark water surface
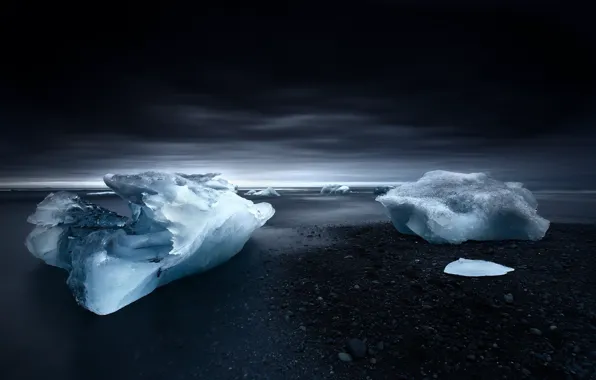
214 326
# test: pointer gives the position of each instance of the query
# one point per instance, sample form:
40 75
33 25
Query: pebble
526 372
373 361
344 357
356 286
508 298
553 328
357 348
535 331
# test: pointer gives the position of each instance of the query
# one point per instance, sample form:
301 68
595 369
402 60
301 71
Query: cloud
376 94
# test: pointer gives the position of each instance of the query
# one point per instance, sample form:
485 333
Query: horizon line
92 186
286 187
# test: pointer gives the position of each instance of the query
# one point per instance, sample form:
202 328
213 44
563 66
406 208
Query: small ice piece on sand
476 268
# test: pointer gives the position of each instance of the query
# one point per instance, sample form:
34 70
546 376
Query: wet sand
389 292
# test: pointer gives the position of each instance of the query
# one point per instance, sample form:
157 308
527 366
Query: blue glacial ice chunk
448 207
268 192
335 189
180 225
476 268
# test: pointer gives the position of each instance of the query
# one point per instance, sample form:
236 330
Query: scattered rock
344 357
508 298
526 372
535 331
576 349
357 348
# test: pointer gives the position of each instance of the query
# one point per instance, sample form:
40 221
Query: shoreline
389 291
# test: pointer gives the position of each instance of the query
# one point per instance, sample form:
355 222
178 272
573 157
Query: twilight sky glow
301 96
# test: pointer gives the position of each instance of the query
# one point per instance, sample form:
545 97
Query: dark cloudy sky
300 94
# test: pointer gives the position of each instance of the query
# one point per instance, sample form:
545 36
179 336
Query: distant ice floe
101 193
211 180
335 189
449 207
476 268
268 192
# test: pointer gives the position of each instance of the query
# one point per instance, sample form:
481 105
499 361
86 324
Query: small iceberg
268 192
335 189
476 268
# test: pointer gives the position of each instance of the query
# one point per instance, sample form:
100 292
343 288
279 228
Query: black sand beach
259 316
412 321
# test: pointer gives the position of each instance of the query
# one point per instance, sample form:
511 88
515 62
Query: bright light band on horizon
239 183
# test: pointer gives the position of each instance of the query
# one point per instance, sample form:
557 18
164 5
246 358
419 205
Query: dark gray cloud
370 94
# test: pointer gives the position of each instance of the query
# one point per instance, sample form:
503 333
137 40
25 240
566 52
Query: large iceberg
180 225
268 192
448 207
335 189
